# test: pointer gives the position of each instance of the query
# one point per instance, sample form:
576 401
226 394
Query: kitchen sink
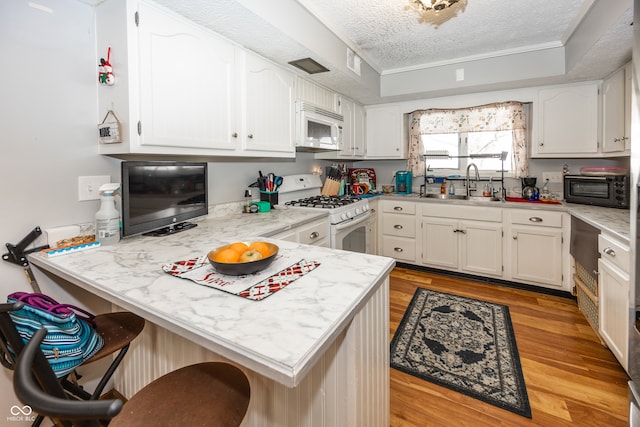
444 196
461 197
482 199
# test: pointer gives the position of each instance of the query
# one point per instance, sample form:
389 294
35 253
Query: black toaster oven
608 190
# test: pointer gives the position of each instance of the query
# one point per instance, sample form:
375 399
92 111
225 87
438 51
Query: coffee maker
529 189
403 182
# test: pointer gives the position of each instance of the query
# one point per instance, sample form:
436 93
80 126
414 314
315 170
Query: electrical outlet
89 187
553 177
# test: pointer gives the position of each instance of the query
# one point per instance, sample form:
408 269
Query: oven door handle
347 224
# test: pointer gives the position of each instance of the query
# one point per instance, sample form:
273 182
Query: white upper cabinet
183 90
187 84
616 112
566 121
267 110
317 95
385 133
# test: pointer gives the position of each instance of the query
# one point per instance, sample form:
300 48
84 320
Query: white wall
48 117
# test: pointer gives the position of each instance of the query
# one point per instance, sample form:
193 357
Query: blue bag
71 338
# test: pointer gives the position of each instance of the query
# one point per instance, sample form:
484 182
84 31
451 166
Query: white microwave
317 129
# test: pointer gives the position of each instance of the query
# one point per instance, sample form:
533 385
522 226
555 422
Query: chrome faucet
468 181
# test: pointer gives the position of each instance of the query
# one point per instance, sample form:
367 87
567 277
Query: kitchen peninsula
315 352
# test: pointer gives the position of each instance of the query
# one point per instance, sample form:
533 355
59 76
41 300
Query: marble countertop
615 222
279 337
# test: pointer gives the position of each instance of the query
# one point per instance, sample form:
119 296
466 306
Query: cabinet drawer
536 217
614 252
399 207
312 234
399 225
400 248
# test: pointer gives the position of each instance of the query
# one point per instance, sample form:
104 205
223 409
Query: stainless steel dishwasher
584 250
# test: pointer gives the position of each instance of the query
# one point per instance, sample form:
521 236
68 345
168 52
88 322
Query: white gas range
348 215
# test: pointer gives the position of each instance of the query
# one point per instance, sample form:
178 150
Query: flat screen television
159 197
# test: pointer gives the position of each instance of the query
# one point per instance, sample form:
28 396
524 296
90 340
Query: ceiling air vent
353 61
309 65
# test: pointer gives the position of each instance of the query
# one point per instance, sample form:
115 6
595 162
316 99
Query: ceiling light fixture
436 5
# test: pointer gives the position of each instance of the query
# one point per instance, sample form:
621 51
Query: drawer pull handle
234 135
609 251
398 249
314 235
398 227
397 208
460 231
535 219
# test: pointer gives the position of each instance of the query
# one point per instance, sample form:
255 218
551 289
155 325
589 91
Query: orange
261 247
239 247
227 255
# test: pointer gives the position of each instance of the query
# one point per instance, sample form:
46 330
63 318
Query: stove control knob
343 216
365 208
358 211
350 214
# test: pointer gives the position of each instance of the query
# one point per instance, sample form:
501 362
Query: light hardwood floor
571 378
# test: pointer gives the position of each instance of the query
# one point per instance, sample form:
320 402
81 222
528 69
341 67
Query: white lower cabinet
313 233
398 225
467 245
614 286
537 247
518 245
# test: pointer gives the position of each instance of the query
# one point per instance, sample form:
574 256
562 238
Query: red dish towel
255 287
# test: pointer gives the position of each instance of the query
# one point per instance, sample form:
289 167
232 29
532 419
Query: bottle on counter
247 201
443 187
452 189
486 192
108 218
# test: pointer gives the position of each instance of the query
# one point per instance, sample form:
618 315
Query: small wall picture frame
109 131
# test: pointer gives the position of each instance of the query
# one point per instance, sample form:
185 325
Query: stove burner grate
325 202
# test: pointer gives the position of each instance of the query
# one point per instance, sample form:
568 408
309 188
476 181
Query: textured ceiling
392 36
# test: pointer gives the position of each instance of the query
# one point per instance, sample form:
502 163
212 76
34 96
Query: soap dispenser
452 189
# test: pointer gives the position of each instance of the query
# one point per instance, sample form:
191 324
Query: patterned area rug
463 344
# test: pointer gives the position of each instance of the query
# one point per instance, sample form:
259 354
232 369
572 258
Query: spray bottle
108 217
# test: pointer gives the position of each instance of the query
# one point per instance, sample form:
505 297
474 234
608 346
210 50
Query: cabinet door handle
515 237
609 251
535 219
398 227
314 235
250 136
398 249
460 231
234 135
397 208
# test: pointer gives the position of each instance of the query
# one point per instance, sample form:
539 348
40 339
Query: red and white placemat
282 272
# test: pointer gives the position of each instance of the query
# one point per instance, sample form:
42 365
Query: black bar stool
211 394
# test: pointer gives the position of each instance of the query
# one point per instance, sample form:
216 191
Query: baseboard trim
488 280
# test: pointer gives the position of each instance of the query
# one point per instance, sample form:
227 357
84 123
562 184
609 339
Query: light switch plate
89 186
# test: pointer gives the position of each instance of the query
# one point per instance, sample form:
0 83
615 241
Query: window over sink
445 139
467 143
